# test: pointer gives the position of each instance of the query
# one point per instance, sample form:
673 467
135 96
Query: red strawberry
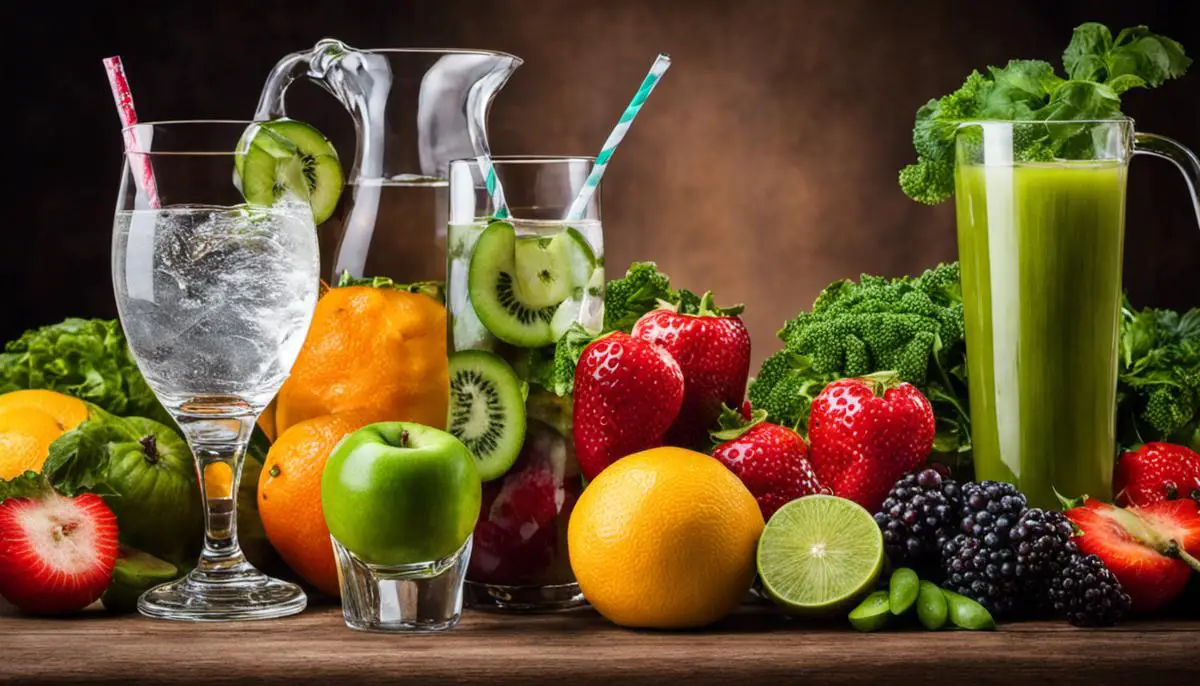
1157 472
57 554
627 393
866 433
772 462
522 515
1143 546
712 348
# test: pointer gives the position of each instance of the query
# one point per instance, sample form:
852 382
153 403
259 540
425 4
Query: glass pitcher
1041 224
414 111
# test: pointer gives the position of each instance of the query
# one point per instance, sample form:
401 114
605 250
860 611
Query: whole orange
382 348
665 538
289 494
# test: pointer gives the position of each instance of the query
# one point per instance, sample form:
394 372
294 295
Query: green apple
398 493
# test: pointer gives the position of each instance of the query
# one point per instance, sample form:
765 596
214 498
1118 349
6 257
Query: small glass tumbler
417 598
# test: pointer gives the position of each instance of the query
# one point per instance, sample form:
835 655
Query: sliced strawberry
57 554
772 462
1141 546
866 433
627 394
1157 472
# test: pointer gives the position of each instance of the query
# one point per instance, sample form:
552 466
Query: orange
664 538
381 348
29 422
289 494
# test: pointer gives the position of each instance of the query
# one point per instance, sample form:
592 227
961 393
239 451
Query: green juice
1040 247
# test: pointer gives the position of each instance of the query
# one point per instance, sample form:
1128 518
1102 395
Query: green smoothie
1040 247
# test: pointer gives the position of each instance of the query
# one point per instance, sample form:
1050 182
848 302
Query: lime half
819 554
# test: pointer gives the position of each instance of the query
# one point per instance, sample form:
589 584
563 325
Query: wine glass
215 296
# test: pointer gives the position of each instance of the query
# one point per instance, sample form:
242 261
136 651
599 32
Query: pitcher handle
1168 149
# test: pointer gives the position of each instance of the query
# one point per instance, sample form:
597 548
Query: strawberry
1157 472
1149 549
866 433
627 394
57 553
771 461
712 347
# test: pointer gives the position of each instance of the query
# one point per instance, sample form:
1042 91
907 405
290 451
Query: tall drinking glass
1041 222
513 289
215 295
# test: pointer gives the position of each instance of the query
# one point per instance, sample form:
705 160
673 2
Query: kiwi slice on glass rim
487 410
516 284
288 155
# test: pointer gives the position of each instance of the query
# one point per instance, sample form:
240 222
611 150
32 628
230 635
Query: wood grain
581 648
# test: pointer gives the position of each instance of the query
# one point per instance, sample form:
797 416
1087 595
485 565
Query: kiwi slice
285 154
487 410
550 269
502 306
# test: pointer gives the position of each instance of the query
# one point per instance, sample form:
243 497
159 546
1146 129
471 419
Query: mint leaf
1149 56
1084 58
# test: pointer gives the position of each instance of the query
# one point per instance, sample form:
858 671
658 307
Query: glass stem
219 448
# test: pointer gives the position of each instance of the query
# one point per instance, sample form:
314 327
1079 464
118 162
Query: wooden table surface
579 647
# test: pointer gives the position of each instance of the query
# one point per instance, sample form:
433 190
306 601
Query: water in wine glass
216 301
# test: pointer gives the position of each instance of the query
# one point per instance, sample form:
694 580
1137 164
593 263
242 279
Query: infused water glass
514 287
215 295
1041 223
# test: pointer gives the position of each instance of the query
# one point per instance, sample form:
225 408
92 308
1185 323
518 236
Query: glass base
415 598
524 599
244 595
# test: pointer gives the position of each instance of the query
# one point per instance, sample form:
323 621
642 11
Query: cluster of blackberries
991 547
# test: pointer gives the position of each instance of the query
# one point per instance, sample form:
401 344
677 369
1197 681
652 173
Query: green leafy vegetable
1099 69
913 326
27 485
1158 391
86 358
639 291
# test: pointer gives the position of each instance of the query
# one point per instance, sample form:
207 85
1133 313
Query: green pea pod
932 609
903 590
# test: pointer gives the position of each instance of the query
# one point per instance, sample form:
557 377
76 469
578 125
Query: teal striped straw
579 206
492 183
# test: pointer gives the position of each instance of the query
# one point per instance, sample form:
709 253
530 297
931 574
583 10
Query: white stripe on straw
579 206
494 189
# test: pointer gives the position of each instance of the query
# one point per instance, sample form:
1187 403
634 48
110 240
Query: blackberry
1042 541
983 573
990 510
1086 593
918 518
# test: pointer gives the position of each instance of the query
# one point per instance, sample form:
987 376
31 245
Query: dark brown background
762 168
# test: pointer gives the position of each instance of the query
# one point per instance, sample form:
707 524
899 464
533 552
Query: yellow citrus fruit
67 410
370 347
30 420
289 494
666 539
25 438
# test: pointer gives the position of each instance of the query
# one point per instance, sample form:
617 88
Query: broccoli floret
913 326
1159 380
931 179
628 298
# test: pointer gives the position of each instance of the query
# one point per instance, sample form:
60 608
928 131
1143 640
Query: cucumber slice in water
487 410
285 154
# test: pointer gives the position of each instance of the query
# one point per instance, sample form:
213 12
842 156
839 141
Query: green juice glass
1040 245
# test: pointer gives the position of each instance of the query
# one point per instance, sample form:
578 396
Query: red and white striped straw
123 97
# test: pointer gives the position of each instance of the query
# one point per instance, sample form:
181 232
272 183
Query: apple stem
404 438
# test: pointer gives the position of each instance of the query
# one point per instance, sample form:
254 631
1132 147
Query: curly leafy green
639 291
913 326
86 358
1099 69
1158 391
27 485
